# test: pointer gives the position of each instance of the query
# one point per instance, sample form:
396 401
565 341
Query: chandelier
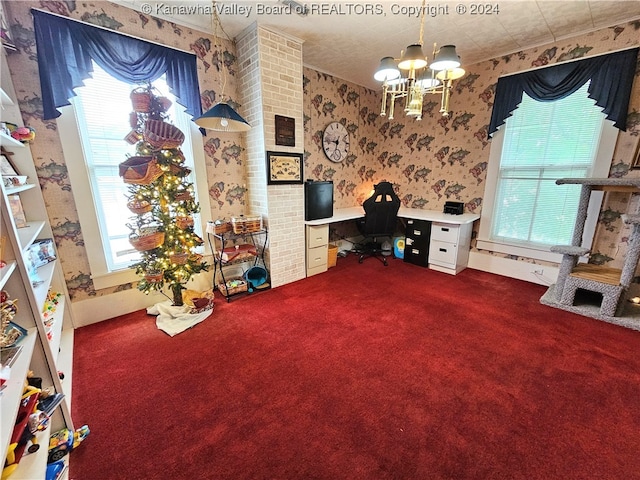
412 77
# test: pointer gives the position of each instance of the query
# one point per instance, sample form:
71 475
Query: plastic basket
255 276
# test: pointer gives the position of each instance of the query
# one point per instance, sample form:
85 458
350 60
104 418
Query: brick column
269 84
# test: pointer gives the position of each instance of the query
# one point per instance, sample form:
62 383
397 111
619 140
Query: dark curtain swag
611 78
66 48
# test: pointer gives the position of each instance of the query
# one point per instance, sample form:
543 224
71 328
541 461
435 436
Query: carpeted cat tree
593 290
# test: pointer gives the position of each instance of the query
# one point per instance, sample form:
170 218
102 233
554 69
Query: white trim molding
507 267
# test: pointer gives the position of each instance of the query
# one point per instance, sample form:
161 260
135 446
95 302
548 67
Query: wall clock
335 142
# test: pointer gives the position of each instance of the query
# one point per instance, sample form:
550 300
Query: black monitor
318 200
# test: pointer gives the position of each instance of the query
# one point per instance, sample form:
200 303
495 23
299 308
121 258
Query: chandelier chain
422 22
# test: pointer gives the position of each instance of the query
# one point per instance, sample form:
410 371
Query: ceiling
343 39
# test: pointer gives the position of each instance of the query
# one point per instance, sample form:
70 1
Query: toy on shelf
49 310
24 134
10 333
55 470
64 441
29 421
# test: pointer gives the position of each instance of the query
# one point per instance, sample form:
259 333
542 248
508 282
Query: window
525 212
93 133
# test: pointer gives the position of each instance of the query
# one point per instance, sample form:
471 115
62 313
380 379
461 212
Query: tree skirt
173 319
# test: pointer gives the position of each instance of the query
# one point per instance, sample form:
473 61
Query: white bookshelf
48 347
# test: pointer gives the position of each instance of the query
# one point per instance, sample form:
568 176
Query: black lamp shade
222 118
388 70
413 58
446 59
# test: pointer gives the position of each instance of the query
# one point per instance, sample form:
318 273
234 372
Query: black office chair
381 216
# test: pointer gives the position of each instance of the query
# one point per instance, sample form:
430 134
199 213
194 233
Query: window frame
602 166
81 189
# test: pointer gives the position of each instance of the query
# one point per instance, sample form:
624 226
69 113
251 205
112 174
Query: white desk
339 215
351 213
448 248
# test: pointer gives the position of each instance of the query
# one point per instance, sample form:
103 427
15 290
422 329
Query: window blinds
545 141
102 109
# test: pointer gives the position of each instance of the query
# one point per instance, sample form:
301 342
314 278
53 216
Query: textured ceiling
347 39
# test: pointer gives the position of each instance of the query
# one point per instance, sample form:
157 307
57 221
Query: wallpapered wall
224 151
428 162
439 158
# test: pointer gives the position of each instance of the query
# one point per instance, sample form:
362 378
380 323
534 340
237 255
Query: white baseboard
529 272
97 309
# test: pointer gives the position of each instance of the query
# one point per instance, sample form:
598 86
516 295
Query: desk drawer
416 255
443 253
317 257
316 270
418 233
317 235
445 232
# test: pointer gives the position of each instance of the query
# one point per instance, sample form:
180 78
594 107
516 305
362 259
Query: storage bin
248 224
218 227
233 286
332 255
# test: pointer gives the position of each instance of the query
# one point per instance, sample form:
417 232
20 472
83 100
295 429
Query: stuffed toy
24 134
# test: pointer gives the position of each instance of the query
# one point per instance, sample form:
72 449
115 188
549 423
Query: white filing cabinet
317 248
449 247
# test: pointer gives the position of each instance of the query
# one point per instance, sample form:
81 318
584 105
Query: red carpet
365 372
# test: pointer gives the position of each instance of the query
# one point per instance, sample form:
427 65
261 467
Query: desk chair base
372 250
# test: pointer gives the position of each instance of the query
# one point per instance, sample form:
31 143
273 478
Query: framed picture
635 162
31 263
16 209
42 252
283 168
285 131
13 334
6 167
